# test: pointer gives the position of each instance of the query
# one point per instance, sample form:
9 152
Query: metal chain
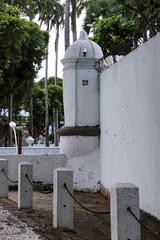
5 174
33 184
29 180
81 205
140 222
46 192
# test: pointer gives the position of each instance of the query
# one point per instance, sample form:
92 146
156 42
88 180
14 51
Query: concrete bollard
123 225
3 178
62 202
25 188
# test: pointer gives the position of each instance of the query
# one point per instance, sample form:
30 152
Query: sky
51 58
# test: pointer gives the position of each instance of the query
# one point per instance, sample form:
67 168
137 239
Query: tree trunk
31 115
55 117
56 52
67 24
56 70
19 142
46 99
73 20
10 115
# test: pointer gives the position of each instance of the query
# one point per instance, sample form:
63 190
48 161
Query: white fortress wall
83 158
130 123
34 150
86 171
43 166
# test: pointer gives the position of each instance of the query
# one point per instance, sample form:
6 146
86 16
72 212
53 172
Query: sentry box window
84 82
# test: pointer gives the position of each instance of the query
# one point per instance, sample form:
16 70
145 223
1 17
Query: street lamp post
13 127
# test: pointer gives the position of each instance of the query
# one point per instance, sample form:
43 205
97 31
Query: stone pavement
87 226
12 228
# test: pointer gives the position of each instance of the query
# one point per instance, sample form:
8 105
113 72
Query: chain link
81 205
10 180
5 174
142 224
33 184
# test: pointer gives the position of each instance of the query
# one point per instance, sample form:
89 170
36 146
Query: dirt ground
87 226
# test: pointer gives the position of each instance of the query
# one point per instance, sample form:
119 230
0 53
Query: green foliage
38 95
50 81
146 14
55 92
22 47
27 7
51 12
19 129
119 26
55 100
115 35
82 4
94 10
55 95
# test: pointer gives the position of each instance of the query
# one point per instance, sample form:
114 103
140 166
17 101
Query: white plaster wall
82 156
69 97
130 124
81 102
43 166
87 98
74 146
35 150
86 171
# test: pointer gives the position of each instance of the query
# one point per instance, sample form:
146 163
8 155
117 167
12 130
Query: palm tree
73 19
94 10
81 5
73 3
47 15
57 22
67 24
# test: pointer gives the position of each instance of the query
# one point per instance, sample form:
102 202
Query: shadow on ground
87 226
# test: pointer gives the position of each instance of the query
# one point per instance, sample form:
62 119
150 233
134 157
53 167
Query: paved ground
13 228
86 225
37 223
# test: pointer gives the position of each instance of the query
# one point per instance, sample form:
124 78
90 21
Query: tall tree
55 96
146 14
115 35
94 10
119 26
47 15
21 55
27 7
73 19
67 24
58 21
73 5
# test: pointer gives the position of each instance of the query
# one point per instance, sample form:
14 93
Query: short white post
25 188
3 178
123 224
62 201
